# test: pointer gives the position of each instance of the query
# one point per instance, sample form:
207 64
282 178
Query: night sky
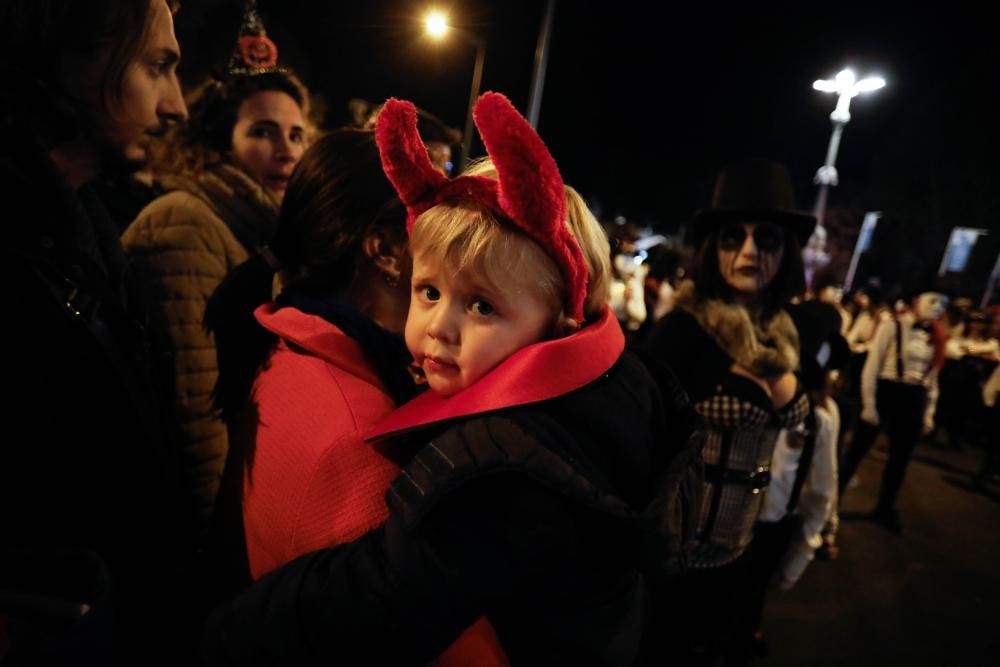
641 112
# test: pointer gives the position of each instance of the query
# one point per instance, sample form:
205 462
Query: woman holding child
530 453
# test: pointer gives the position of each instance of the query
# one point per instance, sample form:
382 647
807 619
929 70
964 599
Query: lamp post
436 25
846 87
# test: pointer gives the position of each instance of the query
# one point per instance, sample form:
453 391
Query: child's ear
387 256
566 326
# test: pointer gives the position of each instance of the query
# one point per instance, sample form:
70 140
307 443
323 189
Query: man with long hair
90 536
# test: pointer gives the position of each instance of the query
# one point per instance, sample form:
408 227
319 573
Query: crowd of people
293 396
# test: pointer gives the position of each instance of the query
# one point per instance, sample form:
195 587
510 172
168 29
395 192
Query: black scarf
386 351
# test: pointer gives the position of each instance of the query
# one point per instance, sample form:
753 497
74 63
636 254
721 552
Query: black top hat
753 191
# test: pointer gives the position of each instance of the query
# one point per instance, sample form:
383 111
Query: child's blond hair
470 237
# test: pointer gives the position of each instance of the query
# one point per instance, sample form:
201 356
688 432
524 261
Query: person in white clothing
899 392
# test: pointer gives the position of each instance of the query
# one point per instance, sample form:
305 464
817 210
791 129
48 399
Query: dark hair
337 195
213 107
39 35
788 282
826 278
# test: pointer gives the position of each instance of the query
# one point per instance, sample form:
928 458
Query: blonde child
535 442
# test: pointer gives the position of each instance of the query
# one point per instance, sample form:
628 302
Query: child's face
459 329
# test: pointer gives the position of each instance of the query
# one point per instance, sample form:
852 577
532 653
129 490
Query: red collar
535 373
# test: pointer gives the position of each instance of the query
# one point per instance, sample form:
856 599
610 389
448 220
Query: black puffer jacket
526 515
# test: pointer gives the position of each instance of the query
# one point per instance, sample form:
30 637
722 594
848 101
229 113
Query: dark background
644 103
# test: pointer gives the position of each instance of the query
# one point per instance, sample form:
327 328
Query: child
540 432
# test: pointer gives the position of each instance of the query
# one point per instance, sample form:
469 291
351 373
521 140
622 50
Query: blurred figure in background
991 443
899 392
870 310
627 296
438 137
829 289
226 173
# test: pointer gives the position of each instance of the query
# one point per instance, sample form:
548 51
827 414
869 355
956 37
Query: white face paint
930 306
750 255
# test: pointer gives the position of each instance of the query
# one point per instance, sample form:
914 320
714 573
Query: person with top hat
735 350
803 488
224 174
90 539
899 387
533 445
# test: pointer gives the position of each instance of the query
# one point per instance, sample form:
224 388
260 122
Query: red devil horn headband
529 191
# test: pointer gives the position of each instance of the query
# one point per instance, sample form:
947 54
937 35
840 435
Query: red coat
312 481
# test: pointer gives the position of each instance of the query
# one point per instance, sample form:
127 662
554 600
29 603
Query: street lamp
436 25
846 86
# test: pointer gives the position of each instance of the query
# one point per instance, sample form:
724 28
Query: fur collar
767 349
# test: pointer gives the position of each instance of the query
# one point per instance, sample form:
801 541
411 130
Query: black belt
757 479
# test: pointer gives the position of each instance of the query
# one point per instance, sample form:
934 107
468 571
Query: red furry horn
529 192
404 158
531 189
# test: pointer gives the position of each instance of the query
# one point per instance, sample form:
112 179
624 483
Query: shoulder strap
899 350
805 460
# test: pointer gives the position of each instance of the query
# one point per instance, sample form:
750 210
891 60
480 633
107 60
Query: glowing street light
846 86
436 25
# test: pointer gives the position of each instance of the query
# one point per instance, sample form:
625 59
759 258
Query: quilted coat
182 245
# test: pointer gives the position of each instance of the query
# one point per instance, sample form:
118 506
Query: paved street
930 596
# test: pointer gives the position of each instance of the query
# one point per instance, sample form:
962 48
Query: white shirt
859 336
817 498
917 357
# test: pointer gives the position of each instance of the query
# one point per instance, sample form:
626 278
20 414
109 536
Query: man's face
150 94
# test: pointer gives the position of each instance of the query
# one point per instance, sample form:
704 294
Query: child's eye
259 132
430 293
480 307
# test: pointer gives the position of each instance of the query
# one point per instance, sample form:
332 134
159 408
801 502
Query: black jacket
83 463
525 515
